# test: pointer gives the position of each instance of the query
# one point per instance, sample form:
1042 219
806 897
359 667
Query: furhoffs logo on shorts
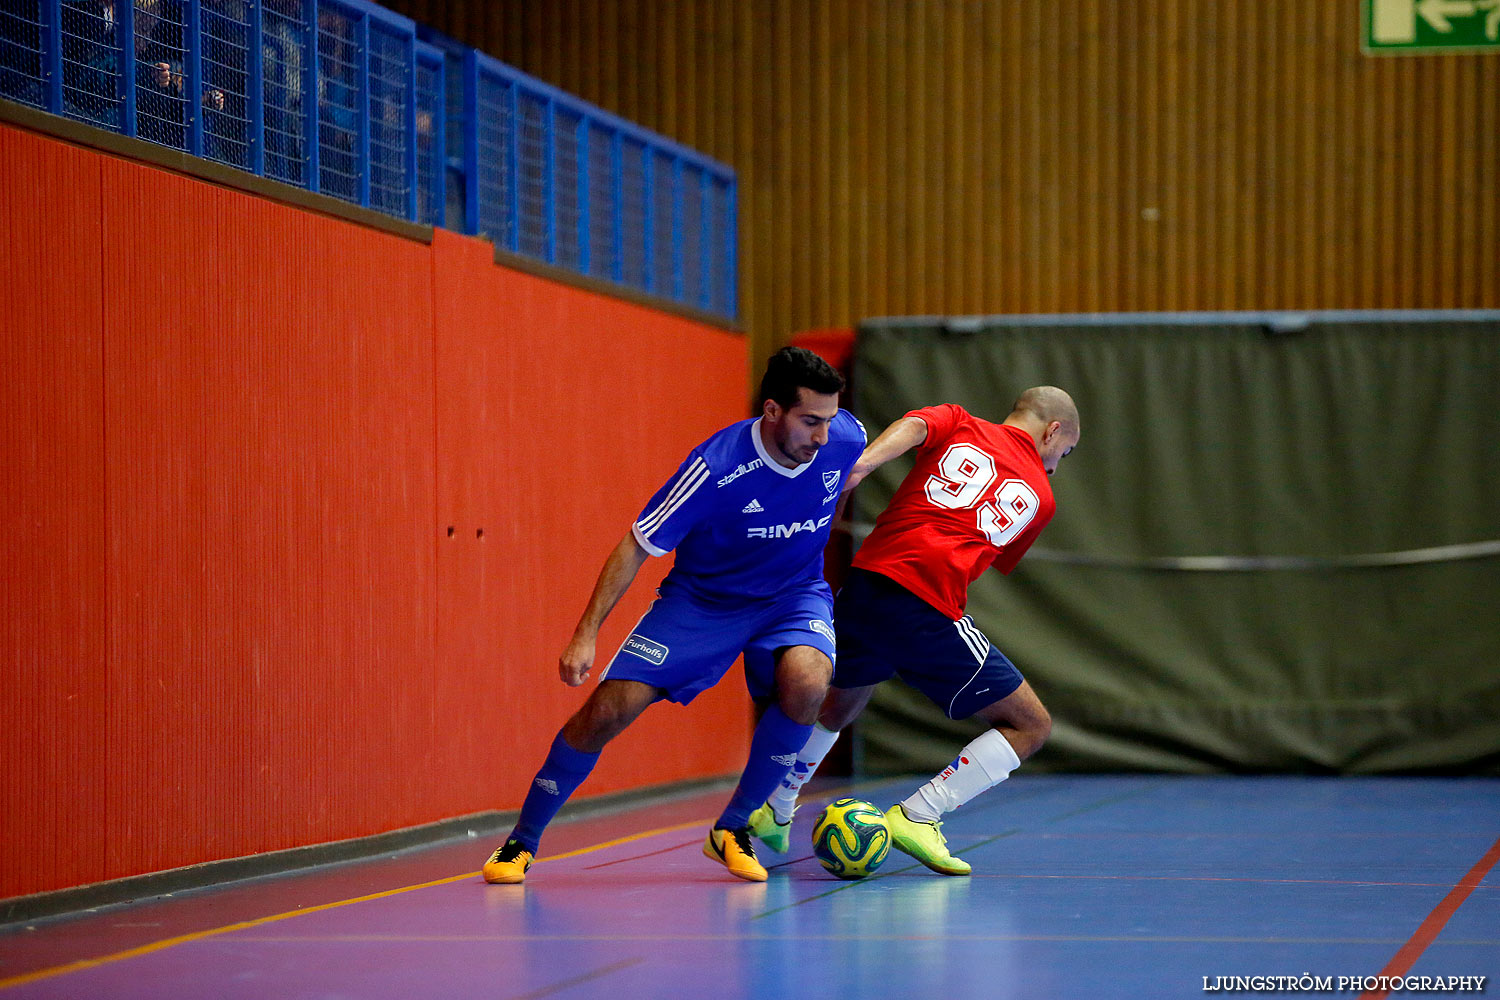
824 629
646 649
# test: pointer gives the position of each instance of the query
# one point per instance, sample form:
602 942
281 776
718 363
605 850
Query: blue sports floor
1097 886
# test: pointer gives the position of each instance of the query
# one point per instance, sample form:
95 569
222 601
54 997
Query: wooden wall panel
967 156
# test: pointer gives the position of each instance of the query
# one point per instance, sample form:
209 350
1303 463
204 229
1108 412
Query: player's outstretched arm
896 440
614 579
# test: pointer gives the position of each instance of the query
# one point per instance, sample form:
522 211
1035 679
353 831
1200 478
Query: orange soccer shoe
732 849
508 865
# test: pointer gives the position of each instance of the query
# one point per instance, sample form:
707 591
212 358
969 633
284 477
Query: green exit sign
1397 26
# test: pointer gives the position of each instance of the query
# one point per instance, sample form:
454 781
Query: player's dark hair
792 368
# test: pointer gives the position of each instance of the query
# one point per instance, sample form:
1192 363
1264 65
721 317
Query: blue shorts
885 630
686 643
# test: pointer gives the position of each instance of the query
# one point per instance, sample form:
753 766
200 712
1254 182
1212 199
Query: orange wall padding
237 435
558 423
53 750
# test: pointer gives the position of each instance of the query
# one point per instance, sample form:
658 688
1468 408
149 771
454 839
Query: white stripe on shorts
978 644
610 665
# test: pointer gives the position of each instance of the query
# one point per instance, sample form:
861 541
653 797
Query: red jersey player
978 496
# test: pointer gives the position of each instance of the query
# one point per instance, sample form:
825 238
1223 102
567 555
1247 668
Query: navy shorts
686 643
885 630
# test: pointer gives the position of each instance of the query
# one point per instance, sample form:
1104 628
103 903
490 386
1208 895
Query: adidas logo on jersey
753 507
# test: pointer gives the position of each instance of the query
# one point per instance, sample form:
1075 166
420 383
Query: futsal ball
851 838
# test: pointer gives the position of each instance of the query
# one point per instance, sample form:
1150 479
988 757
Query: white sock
784 799
980 766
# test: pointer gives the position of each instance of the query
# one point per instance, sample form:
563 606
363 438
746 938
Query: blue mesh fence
285 54
344 98
664 248
390 87
603 203
721 269
690 200
493 166
225 60
635 212
90 46
340 135
568 199
430 127
564 182
532 176
455 174
161 71
23 72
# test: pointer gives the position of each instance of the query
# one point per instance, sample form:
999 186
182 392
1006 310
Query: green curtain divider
1325 444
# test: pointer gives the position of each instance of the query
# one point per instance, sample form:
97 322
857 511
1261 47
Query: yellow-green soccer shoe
923 841
763 826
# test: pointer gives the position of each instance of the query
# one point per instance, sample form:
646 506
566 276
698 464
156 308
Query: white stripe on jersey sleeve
695 476
645 543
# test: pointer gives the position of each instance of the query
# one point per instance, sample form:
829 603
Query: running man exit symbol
1431 25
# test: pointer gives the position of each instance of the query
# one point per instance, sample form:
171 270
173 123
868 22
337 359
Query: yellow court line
146 949
666 938
625 840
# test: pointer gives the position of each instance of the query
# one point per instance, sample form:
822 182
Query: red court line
1401 963
648 854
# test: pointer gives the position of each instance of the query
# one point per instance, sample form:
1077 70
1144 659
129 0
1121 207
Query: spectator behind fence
161 99
427 155
225 82
283 46
91 61
338 126
21 60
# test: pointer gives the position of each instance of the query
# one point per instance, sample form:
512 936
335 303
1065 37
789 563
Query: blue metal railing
348 99
557 179
429 124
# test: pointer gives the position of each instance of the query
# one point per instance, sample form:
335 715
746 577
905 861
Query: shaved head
1047 403
1049 416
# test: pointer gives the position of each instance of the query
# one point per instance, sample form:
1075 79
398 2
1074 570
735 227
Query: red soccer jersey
977 497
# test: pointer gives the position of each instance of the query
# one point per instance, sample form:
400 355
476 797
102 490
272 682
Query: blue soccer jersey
744 526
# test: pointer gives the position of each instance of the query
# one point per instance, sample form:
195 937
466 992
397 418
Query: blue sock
773 751
561 774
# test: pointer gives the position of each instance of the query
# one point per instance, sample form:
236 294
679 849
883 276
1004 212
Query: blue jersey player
748 513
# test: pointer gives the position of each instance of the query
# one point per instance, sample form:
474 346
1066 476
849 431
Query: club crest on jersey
788 530
831 480
647 649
